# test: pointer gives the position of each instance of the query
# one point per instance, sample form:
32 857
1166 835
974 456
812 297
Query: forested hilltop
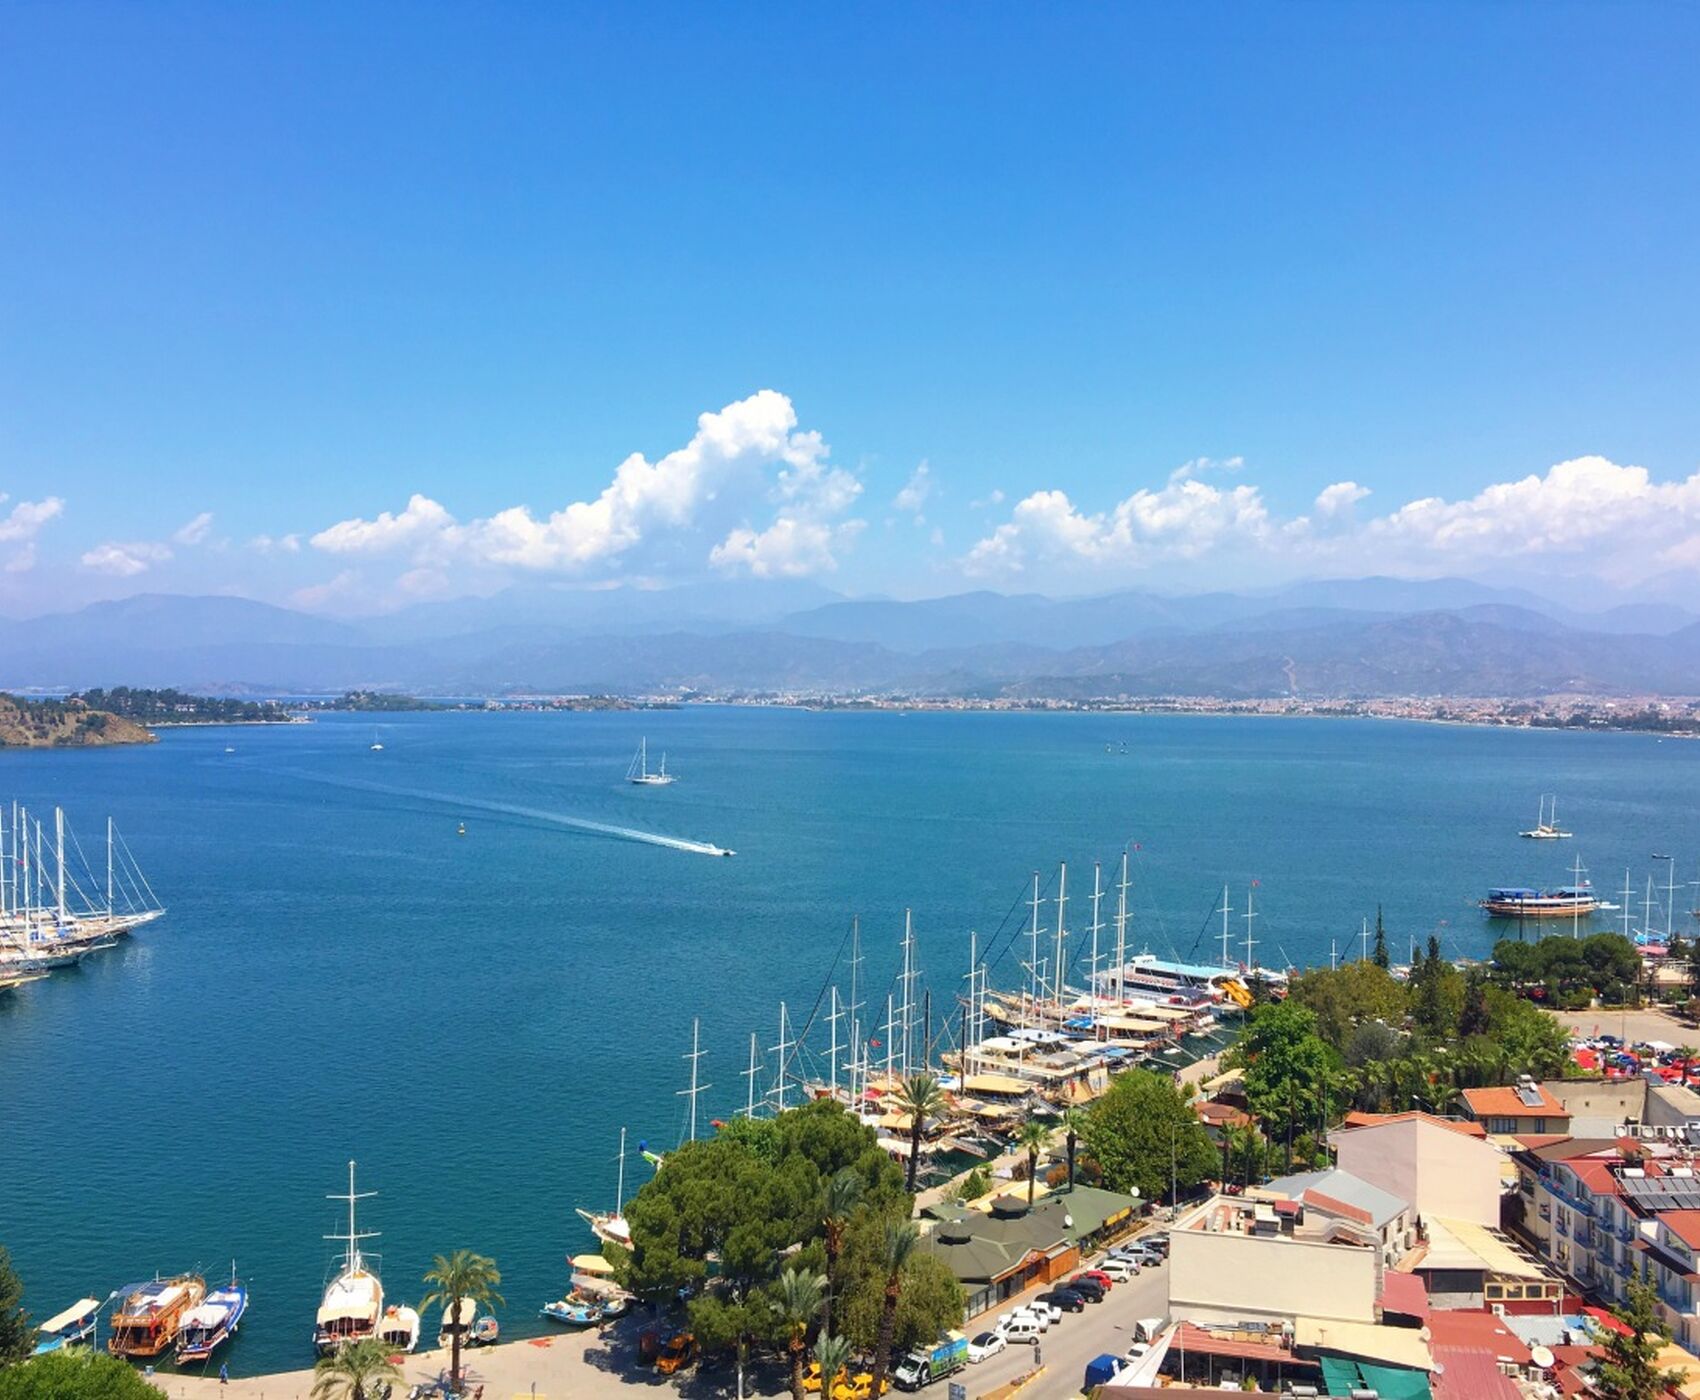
175 707
63 724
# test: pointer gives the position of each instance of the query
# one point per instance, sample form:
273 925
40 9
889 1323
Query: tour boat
149 1315
69 1328
400 1328
212 1322
354 1298
1567 901
639 771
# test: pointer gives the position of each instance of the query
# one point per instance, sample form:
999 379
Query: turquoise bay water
473 1019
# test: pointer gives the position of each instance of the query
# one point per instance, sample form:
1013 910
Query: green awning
1344 1375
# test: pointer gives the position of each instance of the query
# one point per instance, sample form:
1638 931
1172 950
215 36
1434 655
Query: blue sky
292 267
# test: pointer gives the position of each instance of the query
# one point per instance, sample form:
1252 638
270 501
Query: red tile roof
1684 1224
1470 1373
1405 1294
1189 1337
1506 1103
1477 1331
1358 1119
1596 1175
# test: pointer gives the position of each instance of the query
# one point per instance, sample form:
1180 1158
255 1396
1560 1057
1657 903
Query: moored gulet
212 1322
149 1315
354 1298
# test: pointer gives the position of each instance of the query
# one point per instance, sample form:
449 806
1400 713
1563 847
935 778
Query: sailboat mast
970 1031
1250 942
1062 906
1033 953
750 1081
1626 899
697 1086
1121 933
908 979
59 862
781 1049
832 1054
1670 900
109 867
620 1188
1097 926
1225 912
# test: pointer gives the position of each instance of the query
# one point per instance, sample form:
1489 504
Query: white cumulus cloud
126 560
749 451
1333 502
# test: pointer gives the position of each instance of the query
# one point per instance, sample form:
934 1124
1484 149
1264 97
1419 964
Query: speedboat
400 1328
574 1312
486 1331
69 1328
149 1315
211 1323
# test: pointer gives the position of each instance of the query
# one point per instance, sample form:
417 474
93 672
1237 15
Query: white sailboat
1546 827
354 1298
639 771
611 1226
376 745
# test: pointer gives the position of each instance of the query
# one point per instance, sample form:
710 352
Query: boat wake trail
512 809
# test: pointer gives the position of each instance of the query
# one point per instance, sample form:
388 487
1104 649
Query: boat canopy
1512 893
75 1313
591 1264
465 1309
351 1298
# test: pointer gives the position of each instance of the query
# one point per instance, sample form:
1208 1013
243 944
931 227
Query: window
1502 1125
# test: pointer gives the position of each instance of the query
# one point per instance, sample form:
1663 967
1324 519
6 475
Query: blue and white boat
70 1328
211 1322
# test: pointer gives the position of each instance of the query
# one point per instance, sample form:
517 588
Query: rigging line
1210 918
820 996
1021 898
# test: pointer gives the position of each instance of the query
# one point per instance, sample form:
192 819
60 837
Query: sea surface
474 1018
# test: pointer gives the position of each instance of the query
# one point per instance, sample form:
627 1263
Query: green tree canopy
1351 995
17 1336
1289 1068
77 1374
1130 1130
1628 1367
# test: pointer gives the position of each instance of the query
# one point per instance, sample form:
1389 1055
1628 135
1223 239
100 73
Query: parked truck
1101 1370
921 1368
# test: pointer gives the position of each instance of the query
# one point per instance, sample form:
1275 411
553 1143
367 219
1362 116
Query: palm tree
462 1275
832 1355
1073 1125
843 1193
1033 1139
896 1246
797 1297
920 1097
1687 1052
352 1372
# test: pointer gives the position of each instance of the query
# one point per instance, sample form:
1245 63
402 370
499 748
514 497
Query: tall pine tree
1380 954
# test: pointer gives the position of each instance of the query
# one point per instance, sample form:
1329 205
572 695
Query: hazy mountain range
1359 637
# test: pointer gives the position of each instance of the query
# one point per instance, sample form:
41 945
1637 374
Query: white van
1022 1328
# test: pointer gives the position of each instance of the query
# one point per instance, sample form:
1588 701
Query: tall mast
1061 966
109 867
1121 933
1670 901
696 1088
1033 954
832 1055
750 1080
970 1030
908 976
351 1257
24 864
781 1049
1225 912
59 862
1250 942
855 967
1576 881
1366 938
620 1188
890 1038
1097 927
1626 897
1647 910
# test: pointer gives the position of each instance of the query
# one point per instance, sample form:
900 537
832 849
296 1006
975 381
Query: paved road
1071 1343
1646 1024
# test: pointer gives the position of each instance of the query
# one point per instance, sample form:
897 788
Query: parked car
1039 1318
1064 1300
858 1387
1097 1276
1088 1288
1043 1307
986 1345
1022 1328
1121 1270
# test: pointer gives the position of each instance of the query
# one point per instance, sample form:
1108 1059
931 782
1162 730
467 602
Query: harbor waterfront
474 1017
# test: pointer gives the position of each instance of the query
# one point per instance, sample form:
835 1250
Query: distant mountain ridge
1346 638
